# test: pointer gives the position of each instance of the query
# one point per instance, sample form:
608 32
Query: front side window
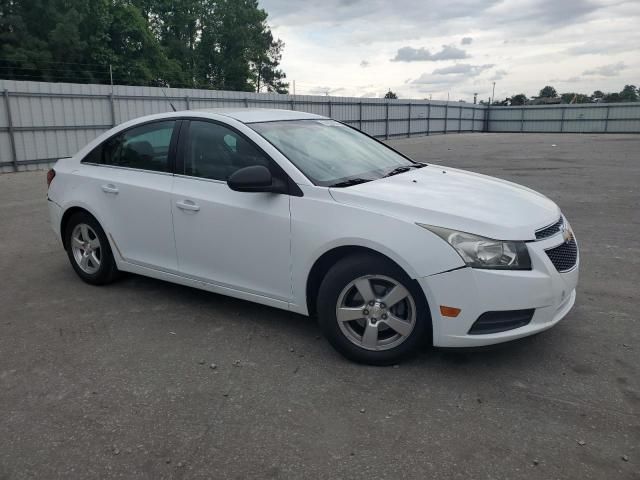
328 152
145 147
215 151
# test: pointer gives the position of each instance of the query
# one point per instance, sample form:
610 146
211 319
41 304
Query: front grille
549 231
501 321
564 257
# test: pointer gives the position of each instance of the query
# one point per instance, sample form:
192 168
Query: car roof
252 115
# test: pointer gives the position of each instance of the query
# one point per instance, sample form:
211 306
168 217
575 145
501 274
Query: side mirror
256 178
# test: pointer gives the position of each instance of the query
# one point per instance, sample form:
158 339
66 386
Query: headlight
481 252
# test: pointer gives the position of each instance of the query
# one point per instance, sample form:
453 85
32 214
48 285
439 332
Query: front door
232 239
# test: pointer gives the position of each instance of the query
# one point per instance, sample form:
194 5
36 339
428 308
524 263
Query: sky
440 48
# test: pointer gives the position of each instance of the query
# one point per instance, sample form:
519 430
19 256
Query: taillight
50 176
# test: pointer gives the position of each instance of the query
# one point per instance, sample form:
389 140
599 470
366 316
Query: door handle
110 188
187 205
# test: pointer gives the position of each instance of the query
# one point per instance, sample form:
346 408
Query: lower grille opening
494 322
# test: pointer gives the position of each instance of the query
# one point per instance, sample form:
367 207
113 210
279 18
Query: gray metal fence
581 118
41 122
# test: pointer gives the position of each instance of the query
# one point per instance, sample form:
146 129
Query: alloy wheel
85 245
376 312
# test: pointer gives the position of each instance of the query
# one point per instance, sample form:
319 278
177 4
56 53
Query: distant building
545 100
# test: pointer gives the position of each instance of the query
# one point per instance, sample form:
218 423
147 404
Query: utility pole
294 87
493 95
475 98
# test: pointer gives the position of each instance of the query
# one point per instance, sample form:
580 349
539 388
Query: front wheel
371 311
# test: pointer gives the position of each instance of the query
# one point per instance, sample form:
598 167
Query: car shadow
304 329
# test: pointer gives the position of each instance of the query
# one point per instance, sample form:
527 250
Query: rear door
130 181
237 240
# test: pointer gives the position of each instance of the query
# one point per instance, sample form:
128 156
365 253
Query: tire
88 250
371 331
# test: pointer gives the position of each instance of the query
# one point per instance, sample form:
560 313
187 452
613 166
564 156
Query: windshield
330 153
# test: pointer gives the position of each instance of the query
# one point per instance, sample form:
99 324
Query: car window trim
183 143
119 167
171 152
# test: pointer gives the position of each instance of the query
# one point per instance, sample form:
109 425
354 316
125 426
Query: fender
418 251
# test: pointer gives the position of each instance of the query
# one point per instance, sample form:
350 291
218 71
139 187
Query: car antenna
165 96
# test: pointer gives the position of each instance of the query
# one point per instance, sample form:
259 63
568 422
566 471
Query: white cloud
410 54
531 42
463 68
498 75
611 70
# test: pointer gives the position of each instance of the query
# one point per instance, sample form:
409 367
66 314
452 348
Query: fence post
246 102
446 116
606 120
330 109
409 126
564 109
460 110
12 140
360 116
386 127
293 105
428 119
473 120
113 110
522 120
186 100
487 117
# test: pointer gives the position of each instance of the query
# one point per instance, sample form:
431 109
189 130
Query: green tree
237 50
572 97
225 44
629 93
597 94
519 99
612 98
548 92
268 76
135 54
176 26
77 40
391 95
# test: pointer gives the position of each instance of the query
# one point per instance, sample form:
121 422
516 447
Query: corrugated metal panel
52 120
583 118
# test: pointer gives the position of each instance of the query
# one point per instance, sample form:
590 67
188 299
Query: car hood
455 199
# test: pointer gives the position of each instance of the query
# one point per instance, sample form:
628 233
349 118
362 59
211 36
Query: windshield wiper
350 182
404 168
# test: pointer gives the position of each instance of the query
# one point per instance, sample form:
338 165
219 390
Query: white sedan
300 212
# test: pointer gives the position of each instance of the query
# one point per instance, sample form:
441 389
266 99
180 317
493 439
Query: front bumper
475 292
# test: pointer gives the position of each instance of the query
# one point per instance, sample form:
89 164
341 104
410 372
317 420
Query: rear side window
145 147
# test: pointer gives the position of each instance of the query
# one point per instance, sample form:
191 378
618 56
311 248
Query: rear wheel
88 250
371 311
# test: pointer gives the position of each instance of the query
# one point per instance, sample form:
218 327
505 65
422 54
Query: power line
35 69
7 59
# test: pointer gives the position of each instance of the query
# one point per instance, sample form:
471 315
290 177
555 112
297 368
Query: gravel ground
144 379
